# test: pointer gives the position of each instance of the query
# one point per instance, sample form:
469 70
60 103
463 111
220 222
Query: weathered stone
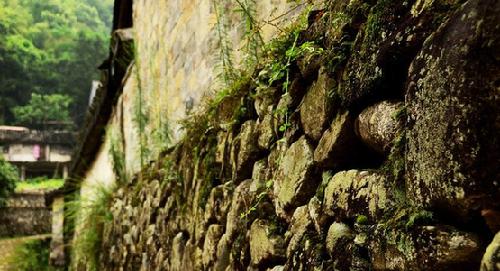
259 175
310 63
378 125
294 130
222 151
317 107
265 101
192 259
339 242
265 248
454 114
267 131
277 268
296 90
218 203
299 224
316 214
223 252
385 46
351 193
283 110
212 237
274 159
226 109
178 246
338 236
241 202
491 258
245 151
309 255
337 146
425 248
295 182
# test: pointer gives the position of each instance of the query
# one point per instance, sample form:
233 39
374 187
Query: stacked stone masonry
385 156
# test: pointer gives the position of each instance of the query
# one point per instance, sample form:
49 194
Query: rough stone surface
385 45
241 202
265 248
25 214
338 237
296 180
337 146
491 258
453 106
245 151
218 203
339 242
317 106
426 248
267 131
378 125
298 227
212 237
351 193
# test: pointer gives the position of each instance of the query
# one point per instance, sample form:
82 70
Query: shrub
33 255
8 178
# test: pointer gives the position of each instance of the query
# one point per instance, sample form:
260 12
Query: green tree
44 109
51 46
8 178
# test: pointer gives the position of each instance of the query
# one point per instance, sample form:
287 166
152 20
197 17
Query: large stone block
453 107
384 47
337 146
439 248
265 248
295 182
212 238
317 106
245 151
491 258
351 193
378 125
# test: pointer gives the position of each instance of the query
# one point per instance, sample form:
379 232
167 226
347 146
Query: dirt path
8 246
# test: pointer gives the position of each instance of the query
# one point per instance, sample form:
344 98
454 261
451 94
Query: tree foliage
48 47
8 178
44 109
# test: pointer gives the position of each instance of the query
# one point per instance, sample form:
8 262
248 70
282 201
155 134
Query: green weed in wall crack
117 153
265 190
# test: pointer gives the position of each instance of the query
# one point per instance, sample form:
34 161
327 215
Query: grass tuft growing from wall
90 213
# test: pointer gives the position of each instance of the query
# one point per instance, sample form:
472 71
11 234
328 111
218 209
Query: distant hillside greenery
51 47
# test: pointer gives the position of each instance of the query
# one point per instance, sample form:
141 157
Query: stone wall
178 50
375 148
367 141
25 214
177 63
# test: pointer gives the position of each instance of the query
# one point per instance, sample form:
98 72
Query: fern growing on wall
228 72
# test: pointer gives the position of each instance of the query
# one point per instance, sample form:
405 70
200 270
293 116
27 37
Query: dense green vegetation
44 109
33 255
8 178
49 47
39 184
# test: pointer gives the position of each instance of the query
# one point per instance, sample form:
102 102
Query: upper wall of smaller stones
179 49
